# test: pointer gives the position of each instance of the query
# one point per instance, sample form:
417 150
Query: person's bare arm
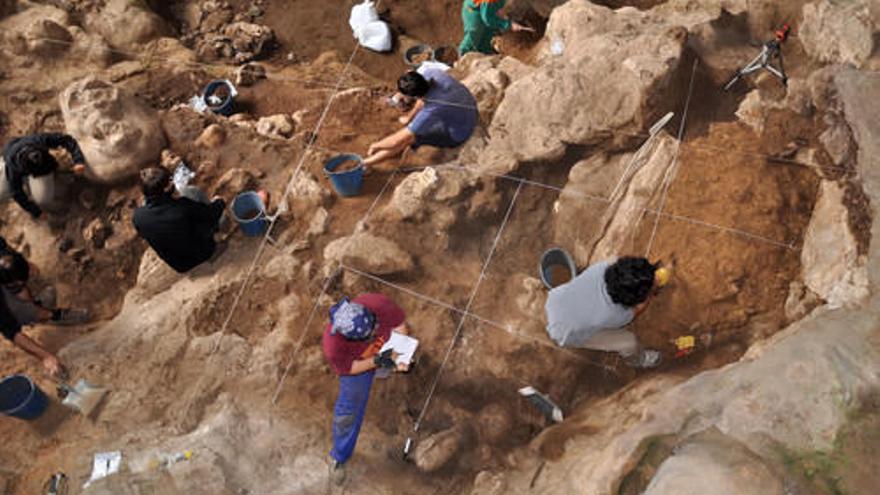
639 308
406 119
389 146
362 366
50 361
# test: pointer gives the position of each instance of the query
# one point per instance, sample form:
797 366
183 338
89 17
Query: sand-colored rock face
836 33
117 132
831 265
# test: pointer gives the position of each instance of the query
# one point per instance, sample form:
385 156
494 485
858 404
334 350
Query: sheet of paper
104 464
404 345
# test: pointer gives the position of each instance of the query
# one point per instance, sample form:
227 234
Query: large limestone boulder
127 24
488 78
437 450
369 253
831 265
713 463
601 72
605 196
410 197
117 132
838 33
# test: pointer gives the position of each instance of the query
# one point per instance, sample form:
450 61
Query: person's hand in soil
79 168
264 197
52 365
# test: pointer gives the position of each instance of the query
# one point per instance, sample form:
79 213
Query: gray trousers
617 340
25 312
41 189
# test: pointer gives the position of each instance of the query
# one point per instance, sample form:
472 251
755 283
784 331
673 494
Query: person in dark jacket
180 229
28 158
15 272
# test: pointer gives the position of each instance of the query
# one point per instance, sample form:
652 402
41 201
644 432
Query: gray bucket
559 259
415 51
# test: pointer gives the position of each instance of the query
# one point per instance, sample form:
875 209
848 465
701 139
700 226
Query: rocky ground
761 198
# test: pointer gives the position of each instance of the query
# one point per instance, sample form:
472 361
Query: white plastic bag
368 29
376 36
361 15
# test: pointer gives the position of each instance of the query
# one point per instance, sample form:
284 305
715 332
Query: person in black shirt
11 330
181 230
28 157
14 274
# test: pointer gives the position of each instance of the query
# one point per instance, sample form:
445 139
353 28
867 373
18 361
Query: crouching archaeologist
444 115
590 311
180 229
28 169
15 272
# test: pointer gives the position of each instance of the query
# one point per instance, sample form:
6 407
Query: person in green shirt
481 23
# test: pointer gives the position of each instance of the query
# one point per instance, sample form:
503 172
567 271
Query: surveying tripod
771 49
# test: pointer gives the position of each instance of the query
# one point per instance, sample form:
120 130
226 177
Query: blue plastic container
21 398
226 106
250 214
555 257
346 182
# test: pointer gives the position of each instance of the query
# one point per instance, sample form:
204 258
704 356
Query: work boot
337 472
548 408
70 316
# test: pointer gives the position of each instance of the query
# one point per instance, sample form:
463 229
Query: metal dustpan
83 397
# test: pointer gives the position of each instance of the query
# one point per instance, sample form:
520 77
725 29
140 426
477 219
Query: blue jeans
348 413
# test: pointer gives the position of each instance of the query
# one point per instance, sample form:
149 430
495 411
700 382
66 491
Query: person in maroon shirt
357 331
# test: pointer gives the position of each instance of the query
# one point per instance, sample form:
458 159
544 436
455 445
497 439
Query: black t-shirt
17 274
181 231
9 325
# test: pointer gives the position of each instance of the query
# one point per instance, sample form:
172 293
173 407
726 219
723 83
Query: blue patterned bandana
352 320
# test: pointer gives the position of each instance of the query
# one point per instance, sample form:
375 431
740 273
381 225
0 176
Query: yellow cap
662 276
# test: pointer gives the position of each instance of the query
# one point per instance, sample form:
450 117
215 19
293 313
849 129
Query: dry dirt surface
237 374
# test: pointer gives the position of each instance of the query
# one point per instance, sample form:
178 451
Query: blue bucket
347 182
555 257
250 213
225 107
21 398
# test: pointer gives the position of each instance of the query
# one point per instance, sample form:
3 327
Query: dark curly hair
629 280
413 84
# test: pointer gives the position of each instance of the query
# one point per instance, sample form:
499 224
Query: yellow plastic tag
685 342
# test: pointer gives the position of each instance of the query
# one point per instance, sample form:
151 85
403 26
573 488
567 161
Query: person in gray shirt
589 311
